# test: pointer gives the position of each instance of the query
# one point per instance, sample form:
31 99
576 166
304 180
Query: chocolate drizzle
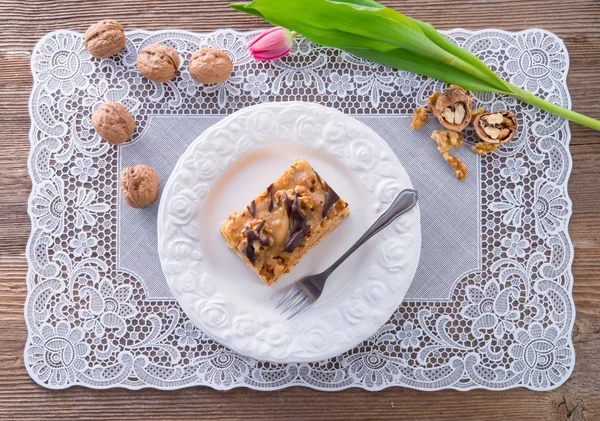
251 237
252 208
331 197
270 193
297 226
288 205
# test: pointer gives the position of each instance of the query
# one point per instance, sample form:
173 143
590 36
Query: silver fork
305 292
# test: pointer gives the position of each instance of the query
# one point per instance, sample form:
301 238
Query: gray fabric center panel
450 209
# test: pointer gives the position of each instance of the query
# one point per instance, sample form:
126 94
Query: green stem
529 98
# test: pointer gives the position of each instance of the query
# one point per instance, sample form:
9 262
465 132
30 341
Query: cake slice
285 221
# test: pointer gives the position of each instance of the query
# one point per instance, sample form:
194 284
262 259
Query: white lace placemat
490 306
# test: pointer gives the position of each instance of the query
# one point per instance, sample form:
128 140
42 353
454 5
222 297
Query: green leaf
401 59
461 53
241 7
366 3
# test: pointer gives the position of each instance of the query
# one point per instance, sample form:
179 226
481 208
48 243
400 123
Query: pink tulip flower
272 44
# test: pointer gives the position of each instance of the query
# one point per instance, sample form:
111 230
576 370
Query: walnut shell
104 39
139 186
495 127
453 108
113 123
210 65
158 62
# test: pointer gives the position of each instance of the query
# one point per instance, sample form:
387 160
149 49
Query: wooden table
22 23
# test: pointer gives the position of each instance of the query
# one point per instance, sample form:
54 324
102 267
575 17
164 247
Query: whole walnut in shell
210 65
113 122
104 39
139 186
158 62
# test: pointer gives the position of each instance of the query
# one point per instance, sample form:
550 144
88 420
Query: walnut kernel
305 199
431 102
210 65
476 112
265 230
419 118
460 170
113 122
158 62
139 186
483 148
447 139
104 39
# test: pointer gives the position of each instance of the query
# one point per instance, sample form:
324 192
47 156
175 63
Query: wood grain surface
24 22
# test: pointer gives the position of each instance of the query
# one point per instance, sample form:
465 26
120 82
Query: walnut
498 127
305 199
460 170
447 139
255 235
476 112
301 190
419 118
265 229
453 108
431 102
104 39
113 122
483 148
158 62
210 65
139 186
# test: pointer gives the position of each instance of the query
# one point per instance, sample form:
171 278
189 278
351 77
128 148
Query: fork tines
294 301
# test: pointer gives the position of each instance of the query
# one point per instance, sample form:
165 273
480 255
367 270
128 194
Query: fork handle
404 202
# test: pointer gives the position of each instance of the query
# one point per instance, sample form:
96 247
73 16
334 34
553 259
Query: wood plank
24 22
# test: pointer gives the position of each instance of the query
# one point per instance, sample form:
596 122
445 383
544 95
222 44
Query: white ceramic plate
223 170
